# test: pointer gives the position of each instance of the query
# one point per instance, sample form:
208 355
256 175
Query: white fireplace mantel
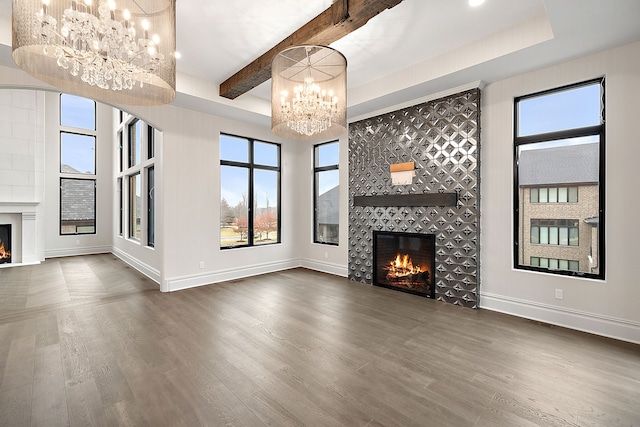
24 243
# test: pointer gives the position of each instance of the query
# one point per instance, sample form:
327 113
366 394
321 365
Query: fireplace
5 243
405 262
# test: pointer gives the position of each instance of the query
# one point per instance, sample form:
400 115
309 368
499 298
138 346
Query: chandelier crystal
115 54
309 93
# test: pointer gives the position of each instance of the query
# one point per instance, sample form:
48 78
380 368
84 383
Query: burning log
4 254
402 271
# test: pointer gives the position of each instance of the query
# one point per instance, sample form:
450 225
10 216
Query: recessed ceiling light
475 3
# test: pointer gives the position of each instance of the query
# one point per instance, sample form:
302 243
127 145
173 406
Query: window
554 195
150 207
326 189
135 207
555 264
136 180
77 206
555 232
250 192
77 153
77 165
559 180
150 143
135 142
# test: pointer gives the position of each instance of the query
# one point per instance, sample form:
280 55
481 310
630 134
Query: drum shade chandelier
117 52
309 93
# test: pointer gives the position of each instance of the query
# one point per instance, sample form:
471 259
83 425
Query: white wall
22 114
327 258
190 221
608 307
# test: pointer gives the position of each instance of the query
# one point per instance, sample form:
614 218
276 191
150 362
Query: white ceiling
415 50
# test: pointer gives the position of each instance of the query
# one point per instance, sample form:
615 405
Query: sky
76 150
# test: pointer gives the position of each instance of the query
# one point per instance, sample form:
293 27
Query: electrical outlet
201 264
559 294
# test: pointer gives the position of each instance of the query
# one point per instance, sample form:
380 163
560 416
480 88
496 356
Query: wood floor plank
15 406
49 402
20 362
85 407
296 347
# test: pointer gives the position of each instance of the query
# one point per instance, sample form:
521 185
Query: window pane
549 166
574 266
120 206
553 263
553 195
535 261
573 237
564 236
563 264
135 207
544 195
151 148
151 234
77 112
550 112
265 154
544 262
77 206
544 235
135 142
533 195
120 151
234 149
265 217
553 235
77 153
327 154
234 207
562 195
535 235
327 206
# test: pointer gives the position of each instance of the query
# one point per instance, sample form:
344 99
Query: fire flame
402 266
3 253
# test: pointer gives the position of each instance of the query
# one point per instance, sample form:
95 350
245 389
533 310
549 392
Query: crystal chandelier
308 93
118 55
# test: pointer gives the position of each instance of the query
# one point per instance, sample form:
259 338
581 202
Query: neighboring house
559 205
77 213
327 216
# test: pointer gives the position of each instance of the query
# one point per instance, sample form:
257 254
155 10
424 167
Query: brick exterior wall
586 207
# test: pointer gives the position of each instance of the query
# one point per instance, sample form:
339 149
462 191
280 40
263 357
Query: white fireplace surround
22 217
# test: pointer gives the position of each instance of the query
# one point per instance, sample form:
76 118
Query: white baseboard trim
84 250
606 326
325 267
147 270
191 281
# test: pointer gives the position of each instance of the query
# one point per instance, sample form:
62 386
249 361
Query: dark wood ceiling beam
340 19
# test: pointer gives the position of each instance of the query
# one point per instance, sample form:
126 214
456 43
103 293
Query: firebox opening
5 243
404 261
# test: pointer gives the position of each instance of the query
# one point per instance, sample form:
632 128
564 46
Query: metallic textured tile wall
442 137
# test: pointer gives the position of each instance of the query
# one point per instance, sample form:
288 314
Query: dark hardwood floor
90 341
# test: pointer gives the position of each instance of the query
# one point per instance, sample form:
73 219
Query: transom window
559 180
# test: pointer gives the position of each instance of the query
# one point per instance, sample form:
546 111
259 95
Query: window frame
316 170
594 130
251 166
68 176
